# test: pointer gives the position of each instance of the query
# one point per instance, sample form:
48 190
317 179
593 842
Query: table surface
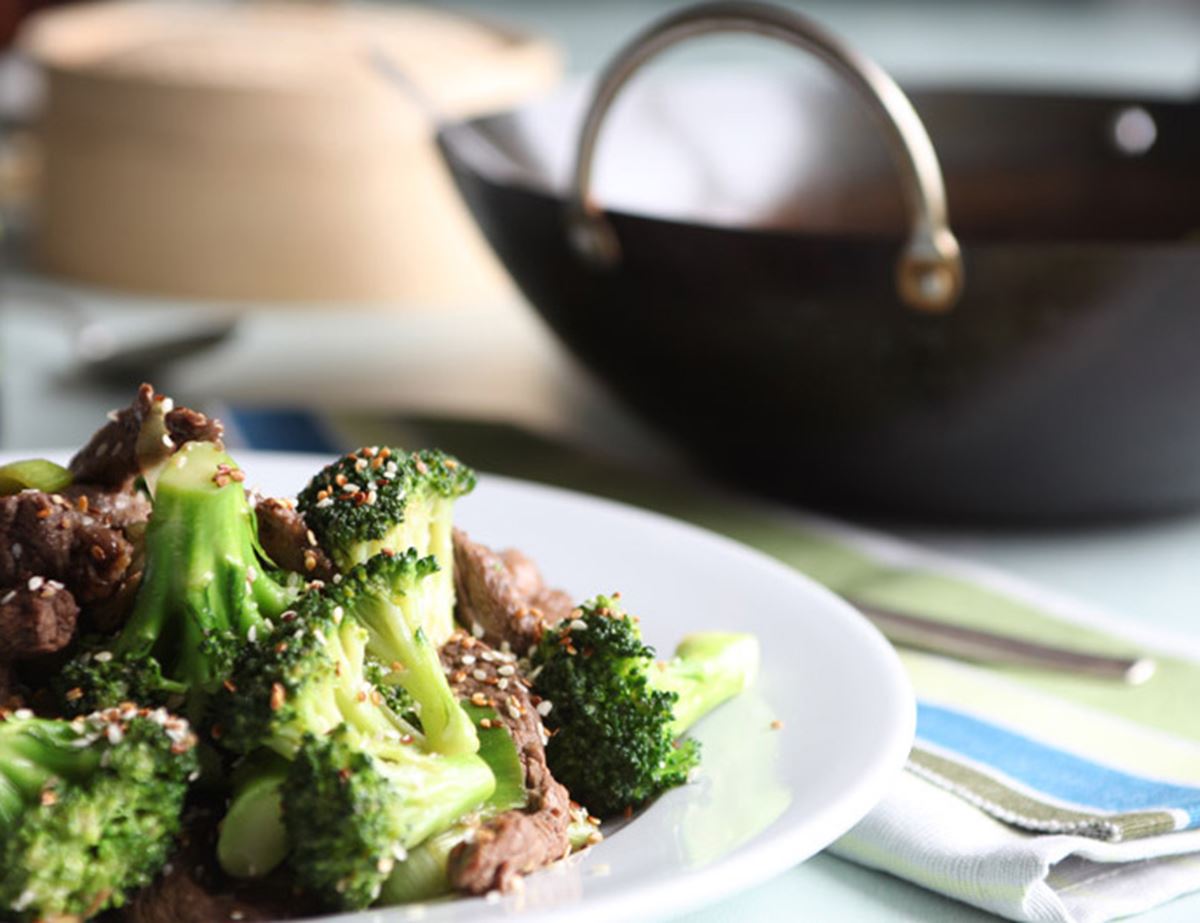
1145 572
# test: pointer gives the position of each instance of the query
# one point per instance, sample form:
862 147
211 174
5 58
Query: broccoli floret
386 499
424 872
616 714
96 679
389 596
89 808
206 587
312 676
304 679
352 815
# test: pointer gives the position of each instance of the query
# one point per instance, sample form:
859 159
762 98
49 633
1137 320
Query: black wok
769 289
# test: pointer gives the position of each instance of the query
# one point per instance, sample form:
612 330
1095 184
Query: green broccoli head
305 678
352 815
205 588
611 740
89 808
385 499
96 678
391 596
615 713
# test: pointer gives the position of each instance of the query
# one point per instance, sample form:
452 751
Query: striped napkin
1036 796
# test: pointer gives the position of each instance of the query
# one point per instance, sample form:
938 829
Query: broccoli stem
33 474
448 729
435 792
708 668
424 874
253 839
204 579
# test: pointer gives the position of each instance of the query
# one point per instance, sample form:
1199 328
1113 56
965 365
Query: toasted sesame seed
507 670
776 725
479 674
278 696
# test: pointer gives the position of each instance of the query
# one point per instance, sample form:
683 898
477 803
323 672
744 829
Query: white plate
766 799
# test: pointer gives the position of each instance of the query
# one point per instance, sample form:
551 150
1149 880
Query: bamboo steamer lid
253 152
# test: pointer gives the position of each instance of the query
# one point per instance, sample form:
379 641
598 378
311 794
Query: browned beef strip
118 508
520 841
192 890
43 535
288 541
524 573
179 897
109 459
554 605
36 618
8 687
503 595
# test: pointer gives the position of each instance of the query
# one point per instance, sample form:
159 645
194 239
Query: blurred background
246 204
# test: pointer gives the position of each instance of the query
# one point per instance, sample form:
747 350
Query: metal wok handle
929 273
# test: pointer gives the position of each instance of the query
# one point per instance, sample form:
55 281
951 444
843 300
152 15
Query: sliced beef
524 574
9 698
117 508
515 842
44 535
288 541
180 896
191 889
503 594
36 618
110 457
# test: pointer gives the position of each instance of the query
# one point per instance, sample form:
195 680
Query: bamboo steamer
253 152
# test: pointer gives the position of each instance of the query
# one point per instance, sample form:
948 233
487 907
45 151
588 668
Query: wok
775 284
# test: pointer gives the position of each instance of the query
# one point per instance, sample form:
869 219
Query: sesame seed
776 725
507 670
545 707
35 583
104 656
16 551
467 660
8 597
578 625
479 674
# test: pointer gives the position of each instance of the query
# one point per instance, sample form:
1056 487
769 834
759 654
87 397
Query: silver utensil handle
973 644
929 272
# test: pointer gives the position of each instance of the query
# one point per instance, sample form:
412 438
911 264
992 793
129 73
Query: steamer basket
252 152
